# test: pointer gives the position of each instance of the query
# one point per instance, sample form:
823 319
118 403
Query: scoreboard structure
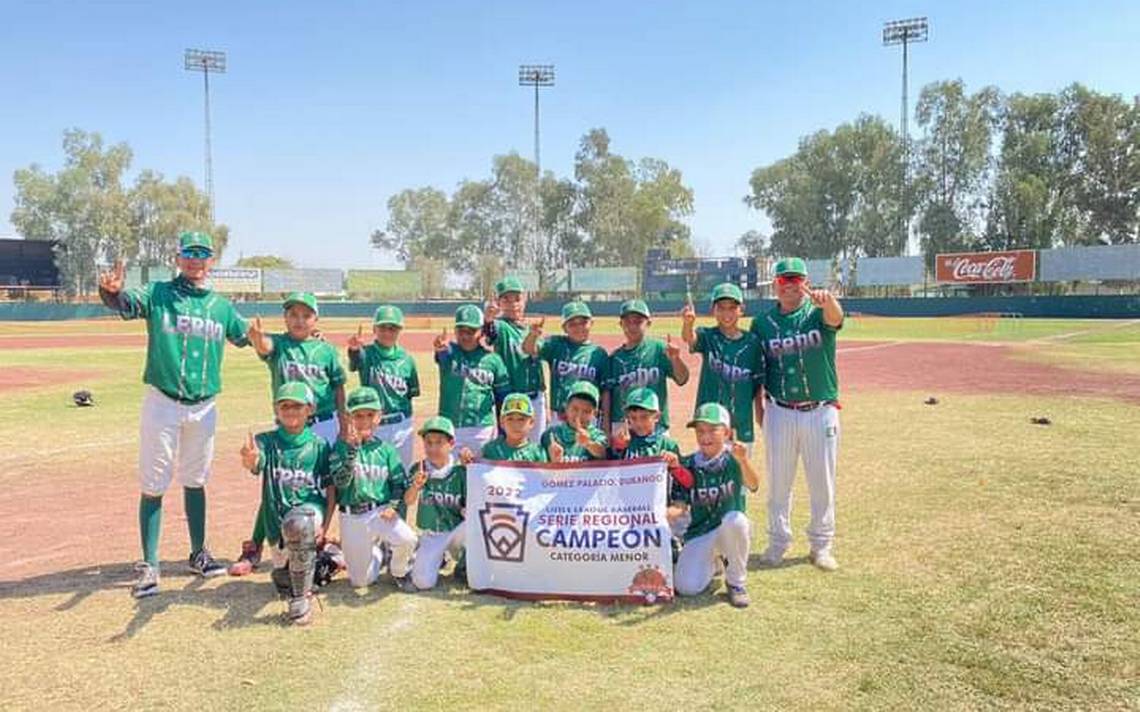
667 278
28 263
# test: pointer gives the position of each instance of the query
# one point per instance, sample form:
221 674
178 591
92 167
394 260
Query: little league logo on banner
579 531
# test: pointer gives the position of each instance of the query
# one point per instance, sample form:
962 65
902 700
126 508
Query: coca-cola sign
986 267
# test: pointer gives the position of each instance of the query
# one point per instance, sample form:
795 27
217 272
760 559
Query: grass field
986 562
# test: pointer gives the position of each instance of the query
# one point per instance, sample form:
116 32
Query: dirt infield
16 378
973 369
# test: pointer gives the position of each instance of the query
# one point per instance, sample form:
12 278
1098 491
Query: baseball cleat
823 560
772 557
300 610
146 584
404 583
738 597
248 561
203 564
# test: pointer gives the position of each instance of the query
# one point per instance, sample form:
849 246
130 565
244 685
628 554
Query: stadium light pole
206 61
537 76
905 32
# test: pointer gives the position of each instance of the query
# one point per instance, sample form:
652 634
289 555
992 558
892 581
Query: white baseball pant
360 535
399 435
697 563
172 436
429 554
474 438
788 435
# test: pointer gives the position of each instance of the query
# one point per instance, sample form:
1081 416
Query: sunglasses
790 279
196 253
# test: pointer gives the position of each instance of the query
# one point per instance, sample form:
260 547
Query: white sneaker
823 560
772 557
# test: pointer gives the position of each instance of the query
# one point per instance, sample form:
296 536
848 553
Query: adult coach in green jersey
505 328
802 414
732 372
572 357
187 326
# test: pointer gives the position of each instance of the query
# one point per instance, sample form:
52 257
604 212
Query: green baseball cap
363 398
635 306
584 389
791 265
305 298
573 310
517 403
294 391
643 398
727 290
469 315
713 414
388 315
506 285
195 242
438 424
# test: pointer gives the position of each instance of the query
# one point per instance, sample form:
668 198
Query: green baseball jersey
571 362
643 365
800 354
369 474
567 437
392 372
647 446
313 362
718 488
186 330
731 372
443 498
498 449
524 370
294 472
468 384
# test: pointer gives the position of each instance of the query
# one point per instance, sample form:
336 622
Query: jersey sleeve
268 358
413 379
679 492
337 374
501 385
322 469
544 439
263 442
236 327
341 464
133 303
548 348
397 478
702 343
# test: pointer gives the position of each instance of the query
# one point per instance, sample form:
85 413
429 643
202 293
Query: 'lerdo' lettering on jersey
396 383
296 371
793 344
729 372
479 375
294 478
582 371
187 325
639 377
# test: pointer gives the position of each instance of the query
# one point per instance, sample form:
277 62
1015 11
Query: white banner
578 531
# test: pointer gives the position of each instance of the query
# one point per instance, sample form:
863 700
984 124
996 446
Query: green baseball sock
258 526
194 498
150 526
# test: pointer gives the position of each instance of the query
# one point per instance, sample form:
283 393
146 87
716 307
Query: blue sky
329 108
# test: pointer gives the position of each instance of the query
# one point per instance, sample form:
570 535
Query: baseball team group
352 450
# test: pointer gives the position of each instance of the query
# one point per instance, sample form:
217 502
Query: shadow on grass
755 564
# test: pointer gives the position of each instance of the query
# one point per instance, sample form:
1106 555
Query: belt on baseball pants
802 406
358 508
392 418
184 401
325 419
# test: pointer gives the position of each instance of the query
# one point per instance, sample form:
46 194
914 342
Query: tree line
990 171
611 212
93 217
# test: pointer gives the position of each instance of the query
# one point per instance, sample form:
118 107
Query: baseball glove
330 560
83 398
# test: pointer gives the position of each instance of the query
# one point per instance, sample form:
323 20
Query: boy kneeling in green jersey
294 468
638 435
439 485
516 418
297 355
369 479
575 437
718 525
